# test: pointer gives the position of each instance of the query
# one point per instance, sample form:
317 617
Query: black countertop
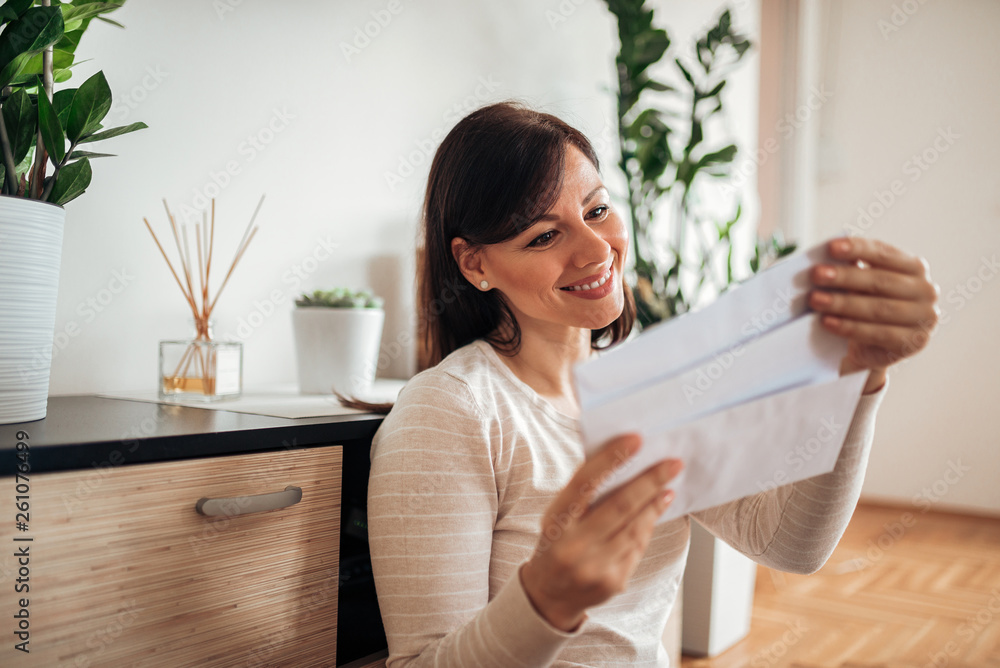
86 431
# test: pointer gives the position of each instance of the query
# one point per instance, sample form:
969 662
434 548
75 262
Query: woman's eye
542 239
600 211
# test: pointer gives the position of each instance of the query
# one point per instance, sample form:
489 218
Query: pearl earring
484 284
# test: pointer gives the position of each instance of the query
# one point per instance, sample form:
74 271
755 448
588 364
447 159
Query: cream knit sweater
463 469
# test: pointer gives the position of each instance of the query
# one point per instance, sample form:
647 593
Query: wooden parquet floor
904 589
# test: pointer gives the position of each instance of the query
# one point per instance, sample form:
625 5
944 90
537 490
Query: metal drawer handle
244 505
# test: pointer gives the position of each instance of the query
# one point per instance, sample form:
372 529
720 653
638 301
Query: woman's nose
590 247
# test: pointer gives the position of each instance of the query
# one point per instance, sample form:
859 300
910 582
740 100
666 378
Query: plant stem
47 80
55 172
628 183
38 171
10 169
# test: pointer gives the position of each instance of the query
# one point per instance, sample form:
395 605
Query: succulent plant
340 298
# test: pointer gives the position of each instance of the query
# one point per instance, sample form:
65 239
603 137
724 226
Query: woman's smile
593 287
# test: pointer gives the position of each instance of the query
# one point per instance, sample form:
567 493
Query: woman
488 547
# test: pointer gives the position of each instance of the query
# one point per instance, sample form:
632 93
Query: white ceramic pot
718 595
31 235
337 348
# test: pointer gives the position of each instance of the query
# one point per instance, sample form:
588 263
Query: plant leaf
60 61
113 132
36 29
61 101
657 86
21 120
718 89
71 181
52 132
69 41
14 8
88 10
684 71
76 155
722 156
61 76
111 21
91 104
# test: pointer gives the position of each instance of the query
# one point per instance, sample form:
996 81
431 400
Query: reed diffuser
200 368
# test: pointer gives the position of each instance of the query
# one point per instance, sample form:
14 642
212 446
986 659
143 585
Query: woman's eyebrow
590 196
593 193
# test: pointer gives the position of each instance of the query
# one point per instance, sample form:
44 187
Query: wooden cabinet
124 571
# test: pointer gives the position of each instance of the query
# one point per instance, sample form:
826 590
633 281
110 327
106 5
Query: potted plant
337 337
41 168
669 152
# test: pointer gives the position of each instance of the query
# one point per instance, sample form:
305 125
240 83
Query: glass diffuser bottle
201 368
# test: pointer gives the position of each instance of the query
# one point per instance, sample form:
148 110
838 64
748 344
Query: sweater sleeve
796 527
432 506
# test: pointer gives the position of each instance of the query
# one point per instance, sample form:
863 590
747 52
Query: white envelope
761 304
752 447
746 392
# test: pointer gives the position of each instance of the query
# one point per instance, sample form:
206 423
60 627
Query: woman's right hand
587 553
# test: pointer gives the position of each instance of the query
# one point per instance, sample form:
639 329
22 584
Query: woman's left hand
887 310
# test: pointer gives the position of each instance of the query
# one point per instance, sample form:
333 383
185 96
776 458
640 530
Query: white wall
904 84
330 129
346 122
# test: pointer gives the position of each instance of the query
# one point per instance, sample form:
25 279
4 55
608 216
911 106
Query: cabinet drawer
124 571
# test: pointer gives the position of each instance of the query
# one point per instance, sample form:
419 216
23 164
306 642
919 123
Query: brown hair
496 173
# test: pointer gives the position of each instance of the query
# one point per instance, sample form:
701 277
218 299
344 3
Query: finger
877 254
592 474
895 340
870 309
631 542
619 508
874 281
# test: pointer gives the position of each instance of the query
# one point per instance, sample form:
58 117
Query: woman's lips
596 289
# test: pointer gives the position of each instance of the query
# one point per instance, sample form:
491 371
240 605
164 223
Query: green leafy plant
340 298
41 129
666 156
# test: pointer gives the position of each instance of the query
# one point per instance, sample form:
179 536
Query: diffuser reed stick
199 352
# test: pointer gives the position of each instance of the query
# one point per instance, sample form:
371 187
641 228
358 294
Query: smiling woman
488 545
538 268
514 198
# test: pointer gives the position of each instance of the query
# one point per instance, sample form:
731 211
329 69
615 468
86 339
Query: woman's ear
469 260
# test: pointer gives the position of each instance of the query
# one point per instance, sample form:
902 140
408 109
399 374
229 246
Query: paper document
746 392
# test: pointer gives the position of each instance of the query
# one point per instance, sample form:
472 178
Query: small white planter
31 235
337 348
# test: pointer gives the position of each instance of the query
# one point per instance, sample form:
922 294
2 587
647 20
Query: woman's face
565 270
